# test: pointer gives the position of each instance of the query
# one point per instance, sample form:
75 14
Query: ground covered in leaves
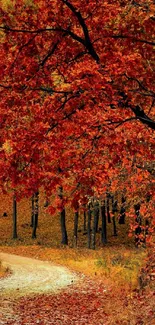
94 300
90 304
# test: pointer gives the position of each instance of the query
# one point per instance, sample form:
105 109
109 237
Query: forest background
77 126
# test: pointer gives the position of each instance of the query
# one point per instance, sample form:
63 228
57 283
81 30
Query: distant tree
35 214
122 211
104 223
15 236
64 240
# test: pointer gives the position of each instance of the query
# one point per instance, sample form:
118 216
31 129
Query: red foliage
77 107
88 303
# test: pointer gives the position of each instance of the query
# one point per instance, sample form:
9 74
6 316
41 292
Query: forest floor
109 290
90 299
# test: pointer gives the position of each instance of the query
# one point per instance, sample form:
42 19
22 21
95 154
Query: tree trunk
89 229
64 240
147 221
32 211
97 218
146 227
84 221
138 221
35 216
114 210
14 218
108 209
122 212
95 225
114 225
76 216
104 224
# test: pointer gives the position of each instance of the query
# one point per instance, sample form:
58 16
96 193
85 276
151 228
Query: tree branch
81 20
141 116
137 110
132 38
50 53
150 169
44 30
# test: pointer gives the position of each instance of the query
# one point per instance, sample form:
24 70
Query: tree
104 223
64 240
78 85
35 214
14 235
76 216
122 211
32 211
95 222
89 227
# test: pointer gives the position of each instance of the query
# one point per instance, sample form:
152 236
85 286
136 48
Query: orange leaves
62 108
81 303
86 303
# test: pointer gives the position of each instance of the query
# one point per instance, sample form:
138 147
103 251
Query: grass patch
115 266
121 267
4 271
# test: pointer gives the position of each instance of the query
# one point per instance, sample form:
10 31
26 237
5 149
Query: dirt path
29 277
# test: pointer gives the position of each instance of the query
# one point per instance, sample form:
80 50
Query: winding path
29 277
32 276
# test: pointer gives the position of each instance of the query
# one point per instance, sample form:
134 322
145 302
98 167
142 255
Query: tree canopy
77 97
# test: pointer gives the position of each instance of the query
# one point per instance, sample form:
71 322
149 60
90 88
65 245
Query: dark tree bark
138 111
14 236
76 217
97 218
64 239
122 212
84 221
32 211
138 221
147 221
104 224
108 208
146 227
95 224
35 216
114 225
89 229
114 210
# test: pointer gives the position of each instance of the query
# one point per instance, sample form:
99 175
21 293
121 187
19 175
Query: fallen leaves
74 306
89 303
